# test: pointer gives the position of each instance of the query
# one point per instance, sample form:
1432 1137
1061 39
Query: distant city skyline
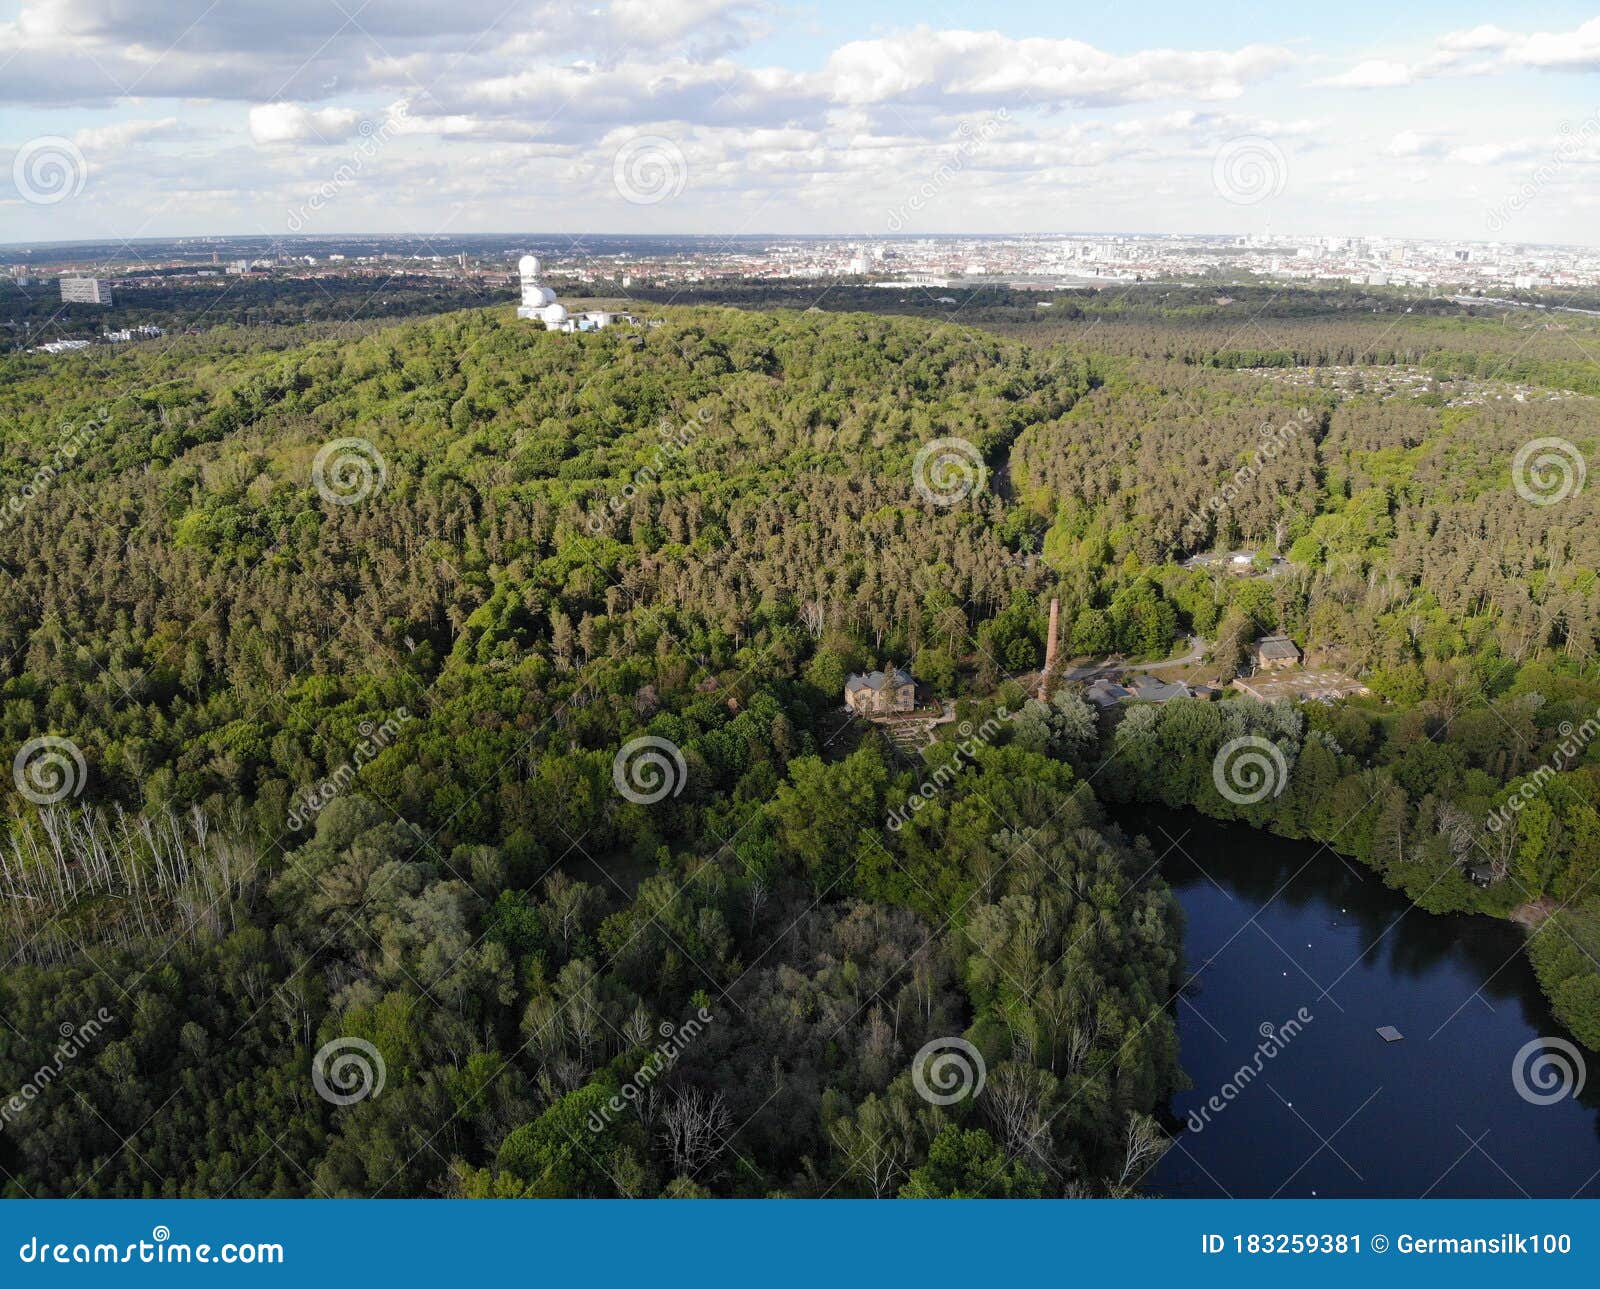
163 118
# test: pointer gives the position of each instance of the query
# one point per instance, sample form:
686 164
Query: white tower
535 298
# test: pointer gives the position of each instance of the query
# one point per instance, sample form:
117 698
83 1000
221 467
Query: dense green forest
329 655
36 313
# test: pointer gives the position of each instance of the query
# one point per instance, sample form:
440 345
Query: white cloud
273 123
1374 73
123 133
1478 39
988 65
1565 51
1411 143
1490 154
1500 50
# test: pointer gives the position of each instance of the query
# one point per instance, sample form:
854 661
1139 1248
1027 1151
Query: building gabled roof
878 680
1275 647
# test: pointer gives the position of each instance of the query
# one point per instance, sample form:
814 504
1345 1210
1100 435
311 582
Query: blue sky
128 118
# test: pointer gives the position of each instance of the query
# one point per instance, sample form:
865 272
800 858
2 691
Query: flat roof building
85 290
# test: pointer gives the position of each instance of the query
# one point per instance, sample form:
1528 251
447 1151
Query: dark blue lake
1275 926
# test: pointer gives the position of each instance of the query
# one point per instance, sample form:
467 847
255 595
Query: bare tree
1016 1101
695 1128
1142 1144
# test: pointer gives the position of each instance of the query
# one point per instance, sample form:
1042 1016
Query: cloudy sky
128 118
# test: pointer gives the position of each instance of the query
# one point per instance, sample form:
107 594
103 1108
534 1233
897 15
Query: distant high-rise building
85 290
20 275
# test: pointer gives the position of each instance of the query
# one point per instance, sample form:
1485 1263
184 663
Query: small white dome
528 266
555 313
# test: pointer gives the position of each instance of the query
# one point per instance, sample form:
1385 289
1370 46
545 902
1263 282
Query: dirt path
1532 914
1112 667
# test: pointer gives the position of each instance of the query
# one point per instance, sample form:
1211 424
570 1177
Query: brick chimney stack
1050 651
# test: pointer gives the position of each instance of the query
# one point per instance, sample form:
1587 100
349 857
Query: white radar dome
528 266
555 313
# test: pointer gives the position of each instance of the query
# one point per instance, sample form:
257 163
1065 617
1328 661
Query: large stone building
881 693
